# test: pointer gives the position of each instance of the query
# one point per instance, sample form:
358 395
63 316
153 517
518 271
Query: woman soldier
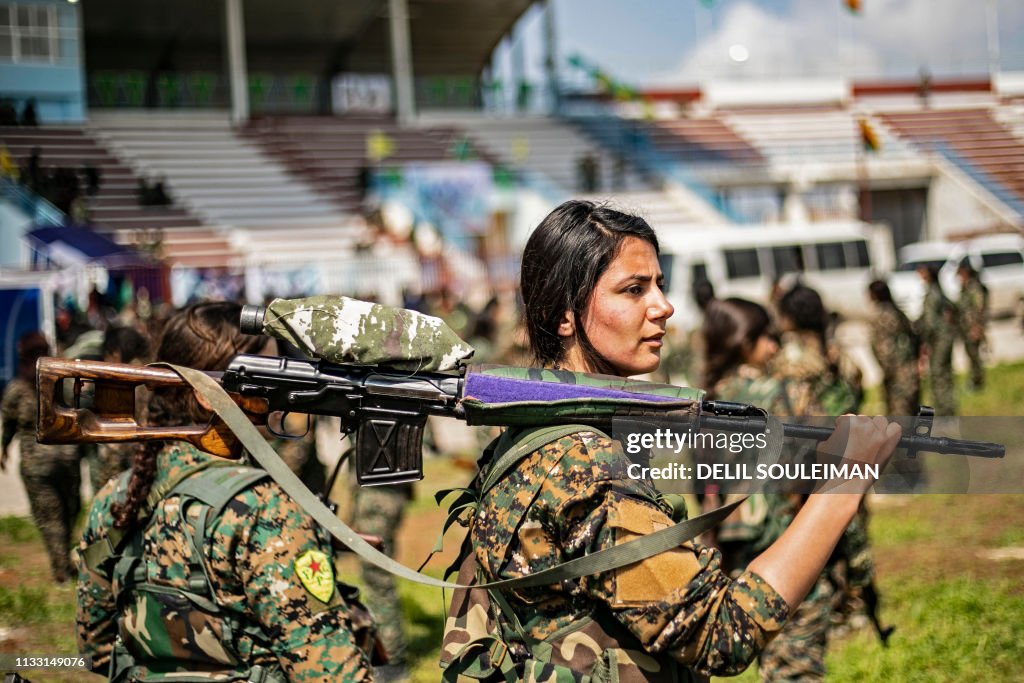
197 566
741 350
593 302
895 347
51 474
740 344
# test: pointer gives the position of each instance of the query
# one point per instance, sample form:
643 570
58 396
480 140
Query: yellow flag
520 149
379 146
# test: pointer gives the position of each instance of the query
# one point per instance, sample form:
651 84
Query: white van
837 259
999 259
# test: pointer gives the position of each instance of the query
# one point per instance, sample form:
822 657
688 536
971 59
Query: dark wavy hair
128 343
806 311
731 328
204 337
879 291
562 262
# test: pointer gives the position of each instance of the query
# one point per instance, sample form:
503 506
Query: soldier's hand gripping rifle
383 371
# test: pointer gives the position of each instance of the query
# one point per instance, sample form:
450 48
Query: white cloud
820 38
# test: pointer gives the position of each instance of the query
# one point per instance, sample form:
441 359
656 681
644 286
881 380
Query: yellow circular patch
316 573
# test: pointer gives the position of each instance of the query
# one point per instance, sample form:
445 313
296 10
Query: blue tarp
21 311
92 247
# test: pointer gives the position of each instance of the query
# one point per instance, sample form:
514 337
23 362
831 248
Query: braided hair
204 337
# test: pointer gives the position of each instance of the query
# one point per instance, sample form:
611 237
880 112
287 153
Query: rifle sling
596 563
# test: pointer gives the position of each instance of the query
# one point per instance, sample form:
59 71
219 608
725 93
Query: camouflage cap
343 330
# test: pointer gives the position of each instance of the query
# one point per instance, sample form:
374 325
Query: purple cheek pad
493 390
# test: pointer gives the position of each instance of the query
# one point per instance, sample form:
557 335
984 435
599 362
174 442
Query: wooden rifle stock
112 416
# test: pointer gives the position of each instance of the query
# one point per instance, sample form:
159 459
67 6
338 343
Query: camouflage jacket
811 385
762 518
748 384
934 327
973 307
892 339
19 410
254 555
674 606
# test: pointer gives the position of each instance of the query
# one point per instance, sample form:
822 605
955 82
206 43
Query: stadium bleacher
787 136
330 152
973 134
219 175
116 206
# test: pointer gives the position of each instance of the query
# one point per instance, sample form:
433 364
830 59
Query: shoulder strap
516 444
215 487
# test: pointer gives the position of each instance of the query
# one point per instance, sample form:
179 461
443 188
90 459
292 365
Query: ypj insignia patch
316 573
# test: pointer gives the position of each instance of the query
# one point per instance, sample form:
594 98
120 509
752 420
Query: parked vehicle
837 259
999 259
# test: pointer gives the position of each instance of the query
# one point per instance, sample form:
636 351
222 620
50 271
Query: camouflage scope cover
338 329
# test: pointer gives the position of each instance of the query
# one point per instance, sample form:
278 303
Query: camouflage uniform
895 346
379 511
639 621
937 331
973 319
812 388
256 555
763 517
52 476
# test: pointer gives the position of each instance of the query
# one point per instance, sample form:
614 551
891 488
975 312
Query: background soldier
51 474
379 511
895 346
973 319
936 329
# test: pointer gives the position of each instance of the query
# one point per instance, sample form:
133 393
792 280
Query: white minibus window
1001 258
857 254
741 263
830 255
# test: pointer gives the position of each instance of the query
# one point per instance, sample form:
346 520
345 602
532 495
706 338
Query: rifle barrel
914 442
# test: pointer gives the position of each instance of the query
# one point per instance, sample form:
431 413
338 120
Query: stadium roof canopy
447 36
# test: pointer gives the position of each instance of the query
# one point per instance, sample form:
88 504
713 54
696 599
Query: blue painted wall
59 87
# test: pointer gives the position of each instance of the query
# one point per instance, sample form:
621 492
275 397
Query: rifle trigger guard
283 433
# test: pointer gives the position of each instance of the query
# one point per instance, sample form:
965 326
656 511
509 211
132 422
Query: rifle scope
251 320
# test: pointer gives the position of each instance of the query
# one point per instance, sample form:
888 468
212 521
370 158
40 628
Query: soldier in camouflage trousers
193 567
895 347
973 308
378 510
937 329
51 474
812 386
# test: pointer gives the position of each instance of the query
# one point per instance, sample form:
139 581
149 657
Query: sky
664 43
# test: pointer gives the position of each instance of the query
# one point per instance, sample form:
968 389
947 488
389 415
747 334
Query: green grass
36 605
945 631
17 530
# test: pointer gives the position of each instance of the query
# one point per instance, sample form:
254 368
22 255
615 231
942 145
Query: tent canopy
68 246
